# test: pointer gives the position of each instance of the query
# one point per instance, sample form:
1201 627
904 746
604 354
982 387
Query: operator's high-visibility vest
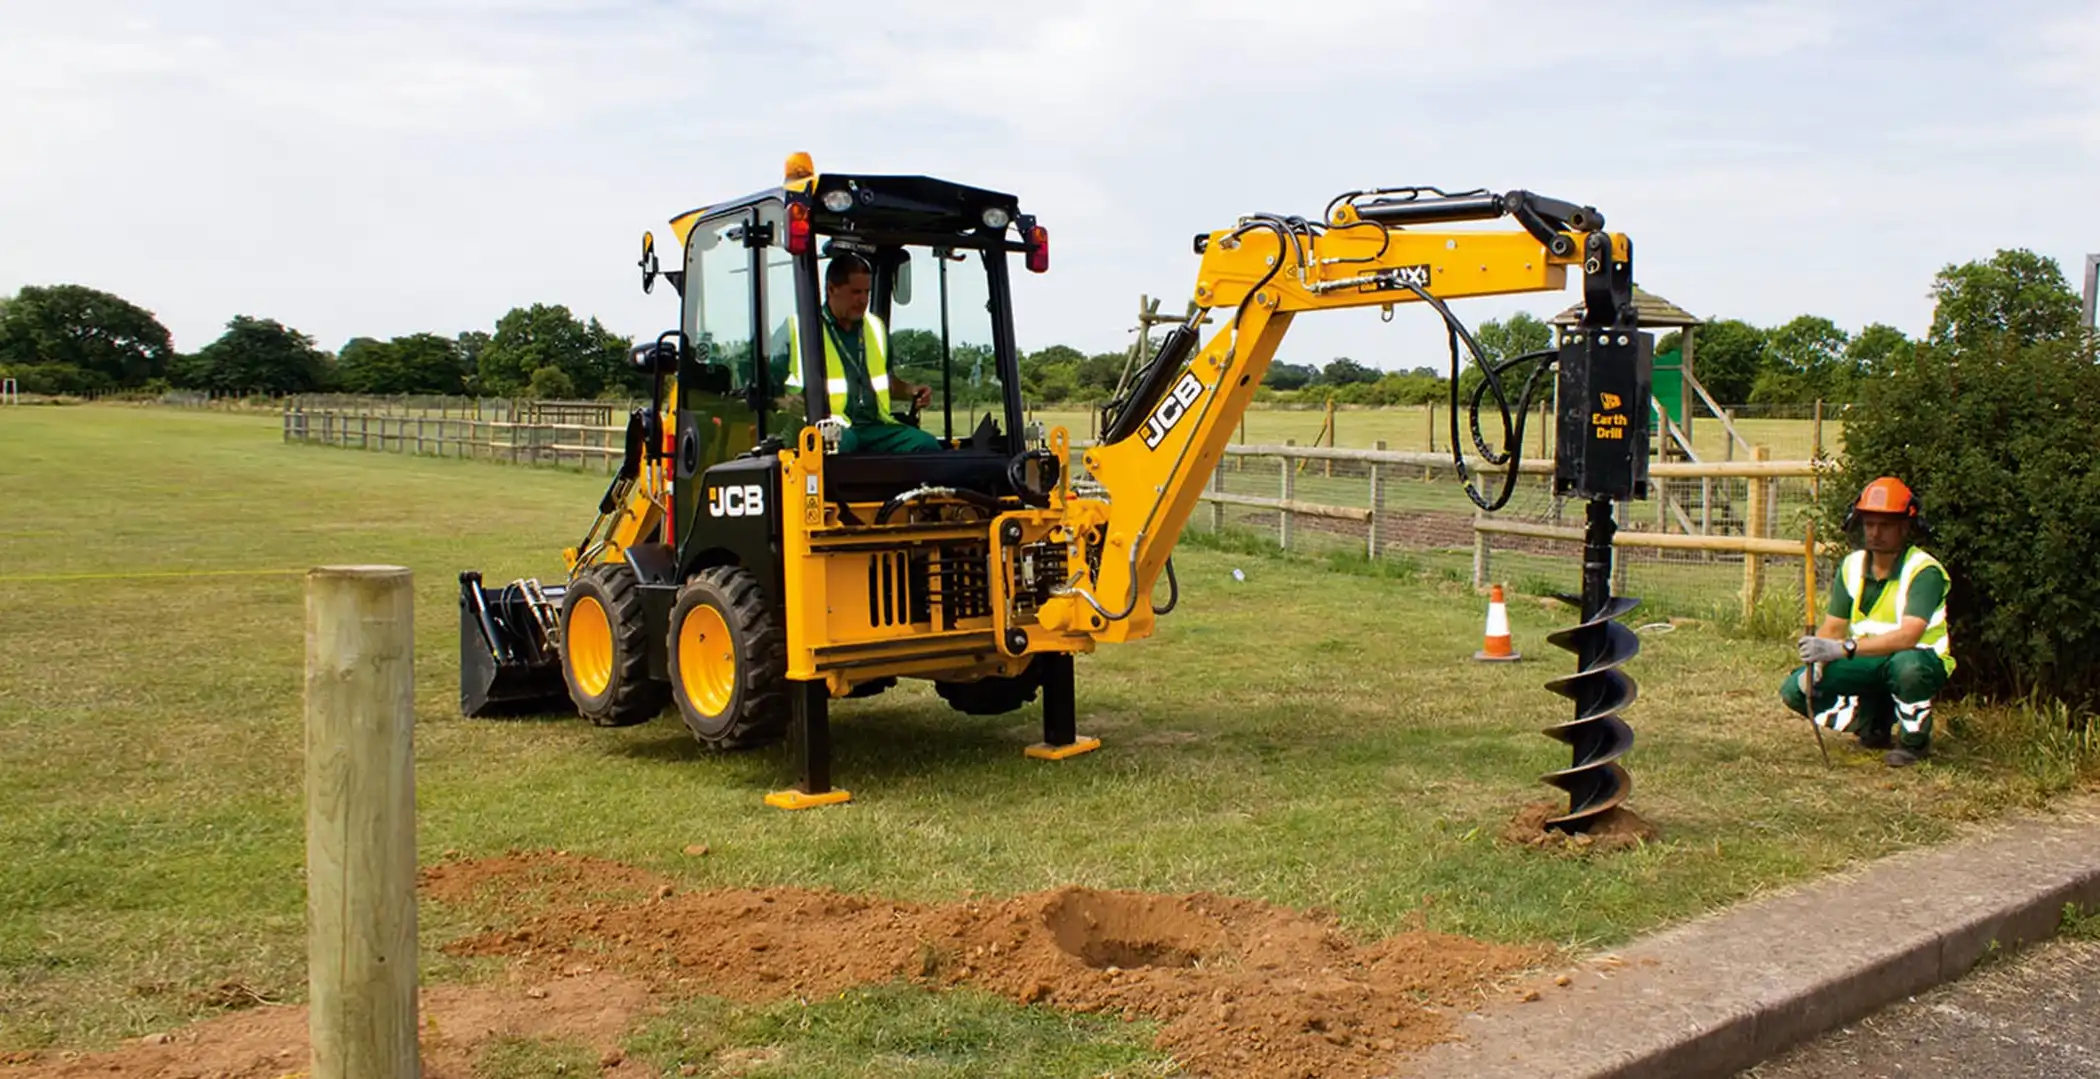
1887 613
874 348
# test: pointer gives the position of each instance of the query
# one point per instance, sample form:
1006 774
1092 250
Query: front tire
728 661
605 649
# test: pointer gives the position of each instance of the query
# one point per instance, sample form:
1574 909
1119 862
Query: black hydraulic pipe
1429 211
1173 353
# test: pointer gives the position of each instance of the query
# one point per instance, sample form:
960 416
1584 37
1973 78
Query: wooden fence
589 446
1689 521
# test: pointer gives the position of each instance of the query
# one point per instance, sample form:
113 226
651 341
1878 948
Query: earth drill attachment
1604 393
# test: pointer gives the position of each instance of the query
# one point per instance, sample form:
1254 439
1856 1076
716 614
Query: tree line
71 339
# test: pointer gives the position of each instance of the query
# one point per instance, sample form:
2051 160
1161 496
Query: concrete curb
1715 996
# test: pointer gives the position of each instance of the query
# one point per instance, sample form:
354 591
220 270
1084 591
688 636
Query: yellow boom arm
1268 270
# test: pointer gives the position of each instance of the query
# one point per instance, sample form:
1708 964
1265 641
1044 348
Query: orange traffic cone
1495 645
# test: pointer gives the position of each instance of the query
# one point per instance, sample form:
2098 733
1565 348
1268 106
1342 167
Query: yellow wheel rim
706 660
590 646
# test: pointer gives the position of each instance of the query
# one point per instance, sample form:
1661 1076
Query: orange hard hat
1887 495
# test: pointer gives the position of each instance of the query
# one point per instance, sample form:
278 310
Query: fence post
1753 527
1217 486
1480 552
360 821
419 435
1283 512
1377 506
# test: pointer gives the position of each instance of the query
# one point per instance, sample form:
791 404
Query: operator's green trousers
1870 695
887 438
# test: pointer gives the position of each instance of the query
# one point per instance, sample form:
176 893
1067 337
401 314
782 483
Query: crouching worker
1882 651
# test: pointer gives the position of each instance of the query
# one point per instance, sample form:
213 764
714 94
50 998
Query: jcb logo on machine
1418 274
746 501
1172 409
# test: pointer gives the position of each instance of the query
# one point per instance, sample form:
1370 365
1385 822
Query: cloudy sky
380 168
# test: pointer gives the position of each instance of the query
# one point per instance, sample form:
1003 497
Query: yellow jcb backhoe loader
744 569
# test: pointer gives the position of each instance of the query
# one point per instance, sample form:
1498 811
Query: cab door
720 389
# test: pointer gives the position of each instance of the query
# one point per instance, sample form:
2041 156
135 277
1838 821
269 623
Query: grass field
1312 736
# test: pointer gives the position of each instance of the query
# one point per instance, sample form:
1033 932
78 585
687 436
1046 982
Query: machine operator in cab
856 367
1882 651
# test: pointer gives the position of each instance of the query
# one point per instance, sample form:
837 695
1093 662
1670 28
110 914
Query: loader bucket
506 664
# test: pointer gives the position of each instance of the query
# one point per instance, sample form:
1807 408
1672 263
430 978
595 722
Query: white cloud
386 168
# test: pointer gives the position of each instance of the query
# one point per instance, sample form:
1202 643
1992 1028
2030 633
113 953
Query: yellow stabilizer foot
1044 751
794 799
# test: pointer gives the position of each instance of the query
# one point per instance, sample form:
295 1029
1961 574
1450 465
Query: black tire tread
634 697
760 703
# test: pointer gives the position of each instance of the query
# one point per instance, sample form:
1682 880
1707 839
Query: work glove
1821 650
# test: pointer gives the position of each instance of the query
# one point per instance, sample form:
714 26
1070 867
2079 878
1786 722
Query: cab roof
884 208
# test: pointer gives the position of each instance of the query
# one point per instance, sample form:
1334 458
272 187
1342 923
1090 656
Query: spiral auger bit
1597 737
1602 457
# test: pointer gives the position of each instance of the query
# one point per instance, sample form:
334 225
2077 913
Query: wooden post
1377 506
1480 552
1808 576
1432 426
1753 527
1217 485
419 435
1283 513
361 822
1815 453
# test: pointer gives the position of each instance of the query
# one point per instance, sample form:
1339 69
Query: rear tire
728 661
605 649
992 695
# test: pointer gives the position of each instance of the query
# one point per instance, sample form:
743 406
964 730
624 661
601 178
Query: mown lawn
1309 736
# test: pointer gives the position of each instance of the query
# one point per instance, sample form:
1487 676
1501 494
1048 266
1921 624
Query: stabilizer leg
809 743
1060 711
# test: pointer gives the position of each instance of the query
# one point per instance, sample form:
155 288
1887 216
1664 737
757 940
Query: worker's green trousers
887 438
1871 694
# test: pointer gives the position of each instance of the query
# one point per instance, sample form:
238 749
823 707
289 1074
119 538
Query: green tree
1805 361
1500 341
551 384
2014 292
1343 371
417 363
1727 357
1993 436
548 335
1878 350
1290 376
71 338
255 355
468 347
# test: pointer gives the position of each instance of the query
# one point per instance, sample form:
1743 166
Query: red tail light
1038 249
798 238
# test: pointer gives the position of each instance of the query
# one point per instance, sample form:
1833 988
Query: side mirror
659 357
900 290
648 262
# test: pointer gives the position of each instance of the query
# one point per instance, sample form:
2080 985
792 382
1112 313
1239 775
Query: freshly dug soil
1240 988
1619 829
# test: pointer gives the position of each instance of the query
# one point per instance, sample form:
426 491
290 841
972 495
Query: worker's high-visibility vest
874 338
1887 613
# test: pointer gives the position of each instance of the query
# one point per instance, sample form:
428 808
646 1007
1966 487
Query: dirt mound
458 1023
1618 829
1240 988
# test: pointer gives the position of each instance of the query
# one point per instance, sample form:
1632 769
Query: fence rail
1379 500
